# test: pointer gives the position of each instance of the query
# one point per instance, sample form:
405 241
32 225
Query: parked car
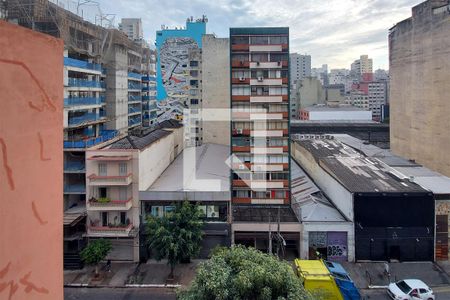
410 289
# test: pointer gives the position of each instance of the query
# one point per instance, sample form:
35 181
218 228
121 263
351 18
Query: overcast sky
333 32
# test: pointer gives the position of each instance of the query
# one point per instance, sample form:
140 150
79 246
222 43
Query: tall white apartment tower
132 27
300 66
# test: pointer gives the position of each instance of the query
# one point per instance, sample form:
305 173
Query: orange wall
31 161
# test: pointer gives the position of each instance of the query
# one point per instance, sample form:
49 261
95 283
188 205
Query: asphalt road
441 293
118 294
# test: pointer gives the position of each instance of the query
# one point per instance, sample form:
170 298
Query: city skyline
351 28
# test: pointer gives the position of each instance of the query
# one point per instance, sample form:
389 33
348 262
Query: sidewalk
152 273
370 274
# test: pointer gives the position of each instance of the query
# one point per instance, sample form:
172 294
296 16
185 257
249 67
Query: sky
333 32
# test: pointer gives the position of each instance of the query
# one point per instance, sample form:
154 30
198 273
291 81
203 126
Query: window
194 101
122 169
259 40
277 40
193 63
102 169
240 91
240 57
104 216
260 57
123 217
193 73
212 211
239 40
157 211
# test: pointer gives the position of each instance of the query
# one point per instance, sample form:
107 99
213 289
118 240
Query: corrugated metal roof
308 202
354 170
263 214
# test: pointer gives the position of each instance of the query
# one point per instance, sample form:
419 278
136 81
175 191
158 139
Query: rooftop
332 108
356 171
308 202
201 169
139 142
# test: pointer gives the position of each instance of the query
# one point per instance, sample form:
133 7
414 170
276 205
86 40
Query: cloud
333 32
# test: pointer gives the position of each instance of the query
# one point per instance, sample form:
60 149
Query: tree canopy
244 273
177 235
95 252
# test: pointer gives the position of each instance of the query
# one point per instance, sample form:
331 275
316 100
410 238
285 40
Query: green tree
95 252
244 273
176 236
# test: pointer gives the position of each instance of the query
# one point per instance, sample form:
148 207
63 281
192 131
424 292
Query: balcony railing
74 166
83 101
134 75
77 82
149 88
75 189
148 78
132 122
111 230
110 180
86 118
104 136
132 110
72 62
102 203
134 98
134 86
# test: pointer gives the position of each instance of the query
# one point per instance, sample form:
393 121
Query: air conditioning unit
260 79
241 79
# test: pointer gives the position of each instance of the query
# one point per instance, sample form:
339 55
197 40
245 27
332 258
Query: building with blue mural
172 66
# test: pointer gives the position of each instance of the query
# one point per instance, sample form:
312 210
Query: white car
410 289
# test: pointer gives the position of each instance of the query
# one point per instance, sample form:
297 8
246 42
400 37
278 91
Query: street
441 293
118 294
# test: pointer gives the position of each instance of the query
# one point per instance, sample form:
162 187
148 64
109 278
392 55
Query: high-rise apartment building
419 52
132 27
300 66
260 185
193 123
361 66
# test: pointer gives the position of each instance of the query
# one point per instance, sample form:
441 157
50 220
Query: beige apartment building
420 69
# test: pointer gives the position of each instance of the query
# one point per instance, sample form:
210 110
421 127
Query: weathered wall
31 164
419 103
310 91
216 87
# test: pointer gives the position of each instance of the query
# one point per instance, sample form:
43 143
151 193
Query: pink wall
31 156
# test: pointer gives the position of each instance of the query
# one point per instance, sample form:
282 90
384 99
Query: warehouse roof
333 108
356 171
308 201
263 214
201 169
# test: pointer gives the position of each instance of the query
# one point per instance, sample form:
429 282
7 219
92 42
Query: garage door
121 250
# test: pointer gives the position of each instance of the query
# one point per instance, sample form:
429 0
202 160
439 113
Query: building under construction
106 87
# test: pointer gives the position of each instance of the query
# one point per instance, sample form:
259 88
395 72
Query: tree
177 235
95 252
244 273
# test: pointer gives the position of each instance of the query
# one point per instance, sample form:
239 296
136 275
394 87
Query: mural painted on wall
174 73
172 47
331 245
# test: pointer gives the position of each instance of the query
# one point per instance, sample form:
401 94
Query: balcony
76 101
148 88
267 81
74 167
134 110
268 98
134 76
95 180
134 122
240 47
75 188
267 150
103 204
104 136
110 231
134 86
148 78
77 82
84 119
240 80
240 64
269 64
240 98
72 62
134 98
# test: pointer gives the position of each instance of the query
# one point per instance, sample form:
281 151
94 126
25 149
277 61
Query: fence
72 62
104 136
83 101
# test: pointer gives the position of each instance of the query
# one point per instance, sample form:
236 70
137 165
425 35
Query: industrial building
419 65
364 189
335 113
